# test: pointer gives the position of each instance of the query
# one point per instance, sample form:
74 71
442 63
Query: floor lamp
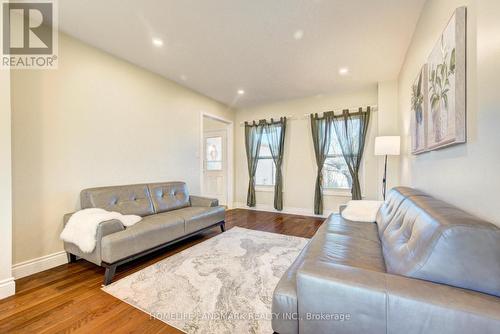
387 145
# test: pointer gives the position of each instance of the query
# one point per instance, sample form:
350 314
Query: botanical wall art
446 80
419 112
438 94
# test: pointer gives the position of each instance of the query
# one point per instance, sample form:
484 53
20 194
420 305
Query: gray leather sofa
169 214
424 267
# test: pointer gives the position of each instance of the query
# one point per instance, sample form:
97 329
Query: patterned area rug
222 285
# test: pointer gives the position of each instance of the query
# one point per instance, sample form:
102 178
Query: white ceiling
219 46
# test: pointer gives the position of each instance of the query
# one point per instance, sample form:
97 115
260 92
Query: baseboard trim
7 287
287 210
37 265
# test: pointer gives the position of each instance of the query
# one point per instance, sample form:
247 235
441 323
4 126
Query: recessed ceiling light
241 92
343 71
157 42
183 77
298 34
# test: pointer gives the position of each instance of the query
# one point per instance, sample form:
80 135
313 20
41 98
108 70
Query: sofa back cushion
389 210
128 200
169 196
423 237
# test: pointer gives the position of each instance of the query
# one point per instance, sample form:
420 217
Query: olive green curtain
351 132
253 138
321 128
275 132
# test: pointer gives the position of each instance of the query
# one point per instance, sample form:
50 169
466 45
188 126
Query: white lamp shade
387 145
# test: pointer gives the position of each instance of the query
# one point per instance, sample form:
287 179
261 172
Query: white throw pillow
362 211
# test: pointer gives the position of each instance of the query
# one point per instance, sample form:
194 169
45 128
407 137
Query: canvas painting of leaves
446 86
419 112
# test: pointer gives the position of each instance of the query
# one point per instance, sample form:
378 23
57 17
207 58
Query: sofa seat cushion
361 230
354 244
284 307
150 232
199 217
338 241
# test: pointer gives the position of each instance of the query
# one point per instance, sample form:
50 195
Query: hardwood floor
68 298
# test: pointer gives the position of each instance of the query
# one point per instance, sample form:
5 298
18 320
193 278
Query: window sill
268 189
337 192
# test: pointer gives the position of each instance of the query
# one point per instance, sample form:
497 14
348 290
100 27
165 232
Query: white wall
388 125
299 166
210 124
95 121
6 281
467 174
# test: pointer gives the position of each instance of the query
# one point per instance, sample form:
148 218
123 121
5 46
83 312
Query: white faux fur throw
81 228
362 211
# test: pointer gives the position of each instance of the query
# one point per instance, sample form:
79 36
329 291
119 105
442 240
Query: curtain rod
373 108
290 117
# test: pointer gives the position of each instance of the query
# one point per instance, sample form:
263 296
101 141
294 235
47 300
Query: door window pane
213 151
214 165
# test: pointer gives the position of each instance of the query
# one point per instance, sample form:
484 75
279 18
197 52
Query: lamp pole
384 180
384 146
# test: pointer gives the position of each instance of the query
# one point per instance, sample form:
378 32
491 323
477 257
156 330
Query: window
335 170
213 149
336 173
265 174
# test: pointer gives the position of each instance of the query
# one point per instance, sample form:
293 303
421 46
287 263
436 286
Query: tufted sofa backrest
423 237
137 199
168 196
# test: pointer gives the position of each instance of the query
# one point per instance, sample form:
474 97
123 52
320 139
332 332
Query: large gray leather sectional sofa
169 214
424 267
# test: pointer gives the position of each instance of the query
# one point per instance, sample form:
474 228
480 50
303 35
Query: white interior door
215 165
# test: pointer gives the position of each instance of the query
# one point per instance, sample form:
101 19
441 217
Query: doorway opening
216 159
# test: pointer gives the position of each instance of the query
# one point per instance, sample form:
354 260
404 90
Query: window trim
337 192
265 189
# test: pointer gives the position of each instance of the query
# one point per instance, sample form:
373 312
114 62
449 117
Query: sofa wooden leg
71 257
223 226
108 275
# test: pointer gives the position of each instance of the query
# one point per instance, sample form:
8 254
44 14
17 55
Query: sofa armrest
334 298
391 304
109 227
104 228
419 306
203 201
66 218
